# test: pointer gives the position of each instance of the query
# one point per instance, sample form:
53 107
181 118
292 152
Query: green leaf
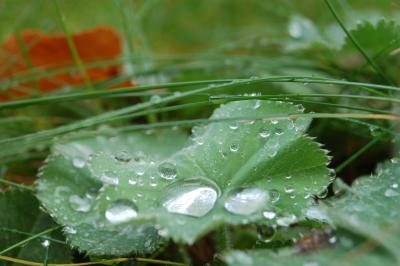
230 173
335 256
371 207
67 189
369 210
376 39
22 218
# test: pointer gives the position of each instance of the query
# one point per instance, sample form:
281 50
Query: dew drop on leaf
70 230
121 211
191 197
122 156
79 204
274 195
257 104
78 162
391 193
395 160
264 132
234 125
278 131
269 215
286 220
246 201
132 182
109 177
289 189
167 170
234 148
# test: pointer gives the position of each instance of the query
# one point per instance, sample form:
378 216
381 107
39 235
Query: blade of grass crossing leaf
72 47
105 262
21 243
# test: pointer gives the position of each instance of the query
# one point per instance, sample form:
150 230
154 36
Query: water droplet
289 189
391 193
91 193
155 98
234 148
139 169
122 156
310 263
265 233
46 243
300 108
193 197
395 185
109 177
269 215
286 220
132 182
315 213
295 30
234 125
278 131
121 211
257 104
246 201
264 132
78 162
70 230
275 195
79 204
395 160
167 170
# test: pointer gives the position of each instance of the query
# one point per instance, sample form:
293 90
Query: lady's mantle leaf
234 172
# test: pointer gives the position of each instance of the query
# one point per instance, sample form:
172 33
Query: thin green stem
360 152
72 47
234 82
23 242
16 185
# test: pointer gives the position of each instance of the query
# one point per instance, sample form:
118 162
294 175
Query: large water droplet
247 201
79 204
121 211
190 197
167 170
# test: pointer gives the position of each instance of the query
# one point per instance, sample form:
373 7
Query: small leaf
371 208
230 173
22 218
